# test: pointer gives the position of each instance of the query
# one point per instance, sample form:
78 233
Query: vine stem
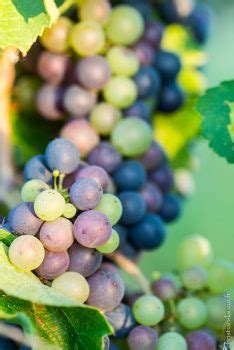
131 268
66 5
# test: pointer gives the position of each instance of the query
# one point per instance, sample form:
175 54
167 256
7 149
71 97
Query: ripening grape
82 134
72 284
111 206
154 157
57 235
78 101
144 52
95 173
49 205
69 211
125 25
192 313
120 91
104 117
31 189
92 229
85 194
53 265
201 340
46 102
148 310
106 289
111 245
152 196
23 220
26 252
194 278
62 155
142 337
105 156
220 276
55 38
172 341
122 320
52 67
36 168
123 61
84 260
165 289
132 137
163 178
87 38
93 72
194 250
216 308
96 10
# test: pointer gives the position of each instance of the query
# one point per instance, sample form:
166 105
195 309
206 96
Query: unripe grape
148 310
31 189
49 205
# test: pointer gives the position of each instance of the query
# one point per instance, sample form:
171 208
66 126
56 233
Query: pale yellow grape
31 190
49 205
69 211
26 252
96 10
72 284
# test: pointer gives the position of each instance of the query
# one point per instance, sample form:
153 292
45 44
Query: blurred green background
210 211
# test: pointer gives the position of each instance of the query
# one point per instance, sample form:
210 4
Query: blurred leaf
6 237
215 108
22 21
175 130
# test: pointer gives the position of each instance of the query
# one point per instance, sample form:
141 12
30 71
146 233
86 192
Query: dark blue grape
130 251
139 109
149 233
163 178
171 208
134 207
168 65
36 168
154 157
62 154
168 11
105 156
148 82
7 344
199 22
171 98
152 197
122 320
130 175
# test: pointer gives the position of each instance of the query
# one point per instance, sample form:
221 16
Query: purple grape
96 173
23 220
122 320
152 197
92 229
142 337
93 72
36 168
106 289
145 52
71 178
163 178
153 33
52 67
154 157
165 289
105 156
85 194
200 340
47 102
85 261
62 155
53 265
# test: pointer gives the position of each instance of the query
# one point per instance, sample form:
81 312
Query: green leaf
22 21
216 110
177 130
6 237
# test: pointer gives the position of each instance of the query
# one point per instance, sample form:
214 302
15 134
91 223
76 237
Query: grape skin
49 205
36 168
192 312
86 194
46 102
111 245
31 189
111 206
142 337
53 265
78 101
95 173
148 310
172 341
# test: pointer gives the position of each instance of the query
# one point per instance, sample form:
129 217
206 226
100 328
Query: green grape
172 341
125 25
111 245
72 284
111 206
132 137
31 190
26 252
104 117
216 309
148 310
120 91
194 278
123 61
194 250
96 10
49 205
192 313
55 38
69 211
87 38
220 276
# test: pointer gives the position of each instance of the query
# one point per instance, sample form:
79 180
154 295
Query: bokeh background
210 211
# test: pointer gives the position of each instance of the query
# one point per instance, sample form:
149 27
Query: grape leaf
6 237
216 110
175 131
22 21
